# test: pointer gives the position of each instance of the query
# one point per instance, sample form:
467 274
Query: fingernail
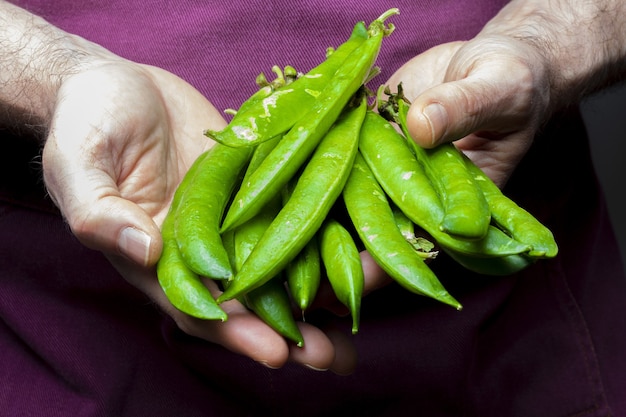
314 368
135 244
437 117
267 365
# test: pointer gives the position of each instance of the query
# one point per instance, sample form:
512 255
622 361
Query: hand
121 138
490 95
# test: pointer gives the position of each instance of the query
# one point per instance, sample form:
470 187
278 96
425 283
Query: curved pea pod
271 300
182 287
466 212
374 221
275 113
515 220
343 266
298 143
495 265
197 220
402 177
316 191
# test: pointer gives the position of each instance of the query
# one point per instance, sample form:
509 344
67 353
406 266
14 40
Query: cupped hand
489 94
121 138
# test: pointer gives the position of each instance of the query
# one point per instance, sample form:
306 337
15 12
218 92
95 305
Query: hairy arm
583 42
35 57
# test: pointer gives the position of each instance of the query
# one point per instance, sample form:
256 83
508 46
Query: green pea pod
272 304
271 300
278 112
466 213
402 177
182 287
201 207
374 221
495 265
515 220
344 269
303 273
228 239
298 144
316 191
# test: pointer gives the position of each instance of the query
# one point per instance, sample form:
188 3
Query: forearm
34 59
583 42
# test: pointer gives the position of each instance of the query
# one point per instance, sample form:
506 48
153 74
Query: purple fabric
220 47
76 339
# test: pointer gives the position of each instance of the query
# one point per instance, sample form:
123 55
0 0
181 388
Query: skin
496 90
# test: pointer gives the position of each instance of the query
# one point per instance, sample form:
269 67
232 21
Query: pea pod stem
316 191
423 247
266 88
276 113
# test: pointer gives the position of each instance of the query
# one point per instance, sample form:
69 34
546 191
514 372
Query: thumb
115 225
453 110
97 214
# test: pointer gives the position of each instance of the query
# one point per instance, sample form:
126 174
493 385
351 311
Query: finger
453 110
346 356
243 333
318 351
97 215
375 277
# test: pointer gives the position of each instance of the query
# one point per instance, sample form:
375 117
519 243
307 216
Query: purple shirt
77 340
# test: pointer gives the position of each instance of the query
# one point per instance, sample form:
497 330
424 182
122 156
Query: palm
129 132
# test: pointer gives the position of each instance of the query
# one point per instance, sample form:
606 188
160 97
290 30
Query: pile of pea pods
257 213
